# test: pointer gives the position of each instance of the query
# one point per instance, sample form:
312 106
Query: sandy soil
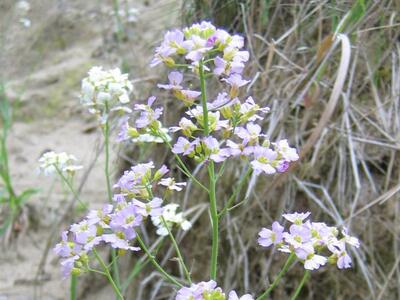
42 66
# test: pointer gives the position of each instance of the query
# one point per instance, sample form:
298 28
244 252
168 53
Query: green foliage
8 197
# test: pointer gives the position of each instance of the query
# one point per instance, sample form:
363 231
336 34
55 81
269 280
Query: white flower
50 162
296 218
170 183
171 217
102 88
288 153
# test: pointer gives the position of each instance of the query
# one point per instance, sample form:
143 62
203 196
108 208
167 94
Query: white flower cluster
105 90
50 161
171 217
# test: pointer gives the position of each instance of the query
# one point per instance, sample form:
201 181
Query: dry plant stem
155 263
106 133
303 281
285 268
213 181
108 275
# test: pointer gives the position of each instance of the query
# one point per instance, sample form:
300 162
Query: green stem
203 98
140 264
303 281
108 275
74 281
155 263
285 268
214 222
106 133
178 252
212 180
70 187
236 191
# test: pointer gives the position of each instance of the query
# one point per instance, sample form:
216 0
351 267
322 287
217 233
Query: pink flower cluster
310 241
116 223
208 290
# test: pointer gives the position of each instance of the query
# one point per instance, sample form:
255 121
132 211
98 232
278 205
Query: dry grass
334 92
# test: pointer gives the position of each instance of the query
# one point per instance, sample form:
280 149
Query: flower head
52 162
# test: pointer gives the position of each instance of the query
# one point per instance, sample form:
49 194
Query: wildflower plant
11 200
217 128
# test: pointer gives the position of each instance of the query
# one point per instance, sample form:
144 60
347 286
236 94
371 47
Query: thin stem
285 268
140 264
235 192
203 98
108 275
303 281
214 222
155 263
70 187
212 180
106 133
177 250
74 281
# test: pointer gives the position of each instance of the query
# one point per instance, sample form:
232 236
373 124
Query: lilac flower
282 166
63 249
83 231
123 130
340 254
233 296
100 216
160 173
212 147
175 79
173 43
152 208
249 134
235 149
94 242
186 125
297 218
125 220
235 80
200 291
249 110
118 243
183 146
269 237
312 261
148 116
353 241
171 184
232 62
222 100
197 47
67 265
309 240
264 158
119 198
138 175
297 235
